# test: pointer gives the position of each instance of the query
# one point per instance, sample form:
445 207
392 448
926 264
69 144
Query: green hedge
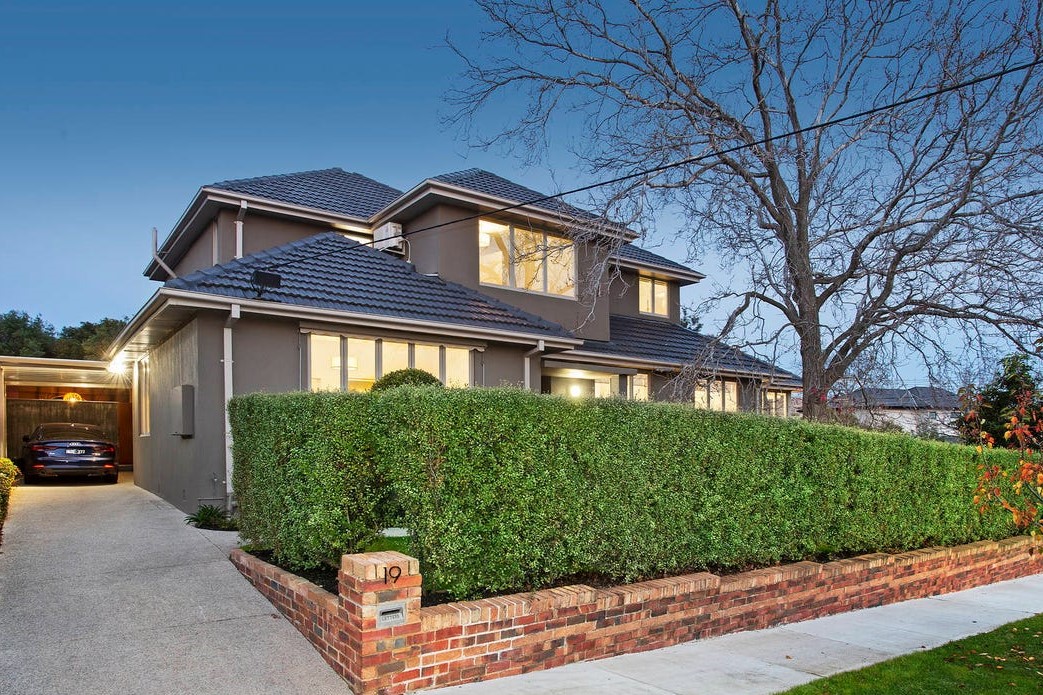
508 490
8 473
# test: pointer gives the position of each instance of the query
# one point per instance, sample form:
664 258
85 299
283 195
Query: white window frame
652 282
378 343
512 262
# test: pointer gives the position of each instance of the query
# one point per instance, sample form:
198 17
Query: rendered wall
452 253
624 296
260 232
185 471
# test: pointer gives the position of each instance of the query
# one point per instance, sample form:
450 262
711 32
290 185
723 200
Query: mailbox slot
390 614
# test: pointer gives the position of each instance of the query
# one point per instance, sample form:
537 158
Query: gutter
596 357
169 297
458 193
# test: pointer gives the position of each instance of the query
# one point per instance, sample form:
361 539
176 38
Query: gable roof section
629 254
354 278
332 190
482 181
661 341
915 398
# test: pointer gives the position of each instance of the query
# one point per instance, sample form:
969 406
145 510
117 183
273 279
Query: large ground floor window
776 403
349 363
717 394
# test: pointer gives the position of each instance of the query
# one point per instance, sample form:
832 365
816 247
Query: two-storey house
328 280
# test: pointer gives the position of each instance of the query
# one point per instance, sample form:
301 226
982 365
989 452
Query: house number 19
391 574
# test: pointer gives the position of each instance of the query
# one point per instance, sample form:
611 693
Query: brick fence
376 635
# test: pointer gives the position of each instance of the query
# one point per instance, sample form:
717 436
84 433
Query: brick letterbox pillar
380 592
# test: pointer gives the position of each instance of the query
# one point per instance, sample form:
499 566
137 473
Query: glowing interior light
72 397
118 365
575 390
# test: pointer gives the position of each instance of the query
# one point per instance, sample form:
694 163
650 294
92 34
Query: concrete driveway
104 589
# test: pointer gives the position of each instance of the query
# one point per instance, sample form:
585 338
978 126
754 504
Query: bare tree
897 228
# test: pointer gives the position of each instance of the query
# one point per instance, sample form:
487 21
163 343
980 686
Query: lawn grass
1006 660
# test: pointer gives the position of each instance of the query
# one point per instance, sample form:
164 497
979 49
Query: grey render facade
543 296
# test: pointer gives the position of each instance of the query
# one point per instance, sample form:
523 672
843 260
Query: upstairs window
526 259
653 296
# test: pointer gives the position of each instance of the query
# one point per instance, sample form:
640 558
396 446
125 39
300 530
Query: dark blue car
68 448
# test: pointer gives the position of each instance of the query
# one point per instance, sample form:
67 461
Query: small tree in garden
989 408
1018 489
406 377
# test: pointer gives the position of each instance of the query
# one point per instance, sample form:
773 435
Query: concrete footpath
104 589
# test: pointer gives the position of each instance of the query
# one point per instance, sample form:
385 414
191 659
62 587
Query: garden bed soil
325 576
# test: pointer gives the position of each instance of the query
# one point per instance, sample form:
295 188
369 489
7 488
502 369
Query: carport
39 389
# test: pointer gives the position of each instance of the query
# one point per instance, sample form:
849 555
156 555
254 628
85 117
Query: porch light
72 397
575 390
118 365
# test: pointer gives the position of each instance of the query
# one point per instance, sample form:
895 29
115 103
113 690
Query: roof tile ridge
287 174
249 260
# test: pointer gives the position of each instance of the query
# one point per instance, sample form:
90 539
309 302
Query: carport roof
46 371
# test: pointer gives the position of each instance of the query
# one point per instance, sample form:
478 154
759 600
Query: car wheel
112 479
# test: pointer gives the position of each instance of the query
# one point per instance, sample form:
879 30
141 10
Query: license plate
73 452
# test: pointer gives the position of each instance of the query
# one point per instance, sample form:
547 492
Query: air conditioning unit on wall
387 236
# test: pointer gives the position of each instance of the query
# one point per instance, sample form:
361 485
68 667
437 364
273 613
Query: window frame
546 247
653 282
378 356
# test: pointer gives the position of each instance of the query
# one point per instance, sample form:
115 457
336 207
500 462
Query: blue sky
113 114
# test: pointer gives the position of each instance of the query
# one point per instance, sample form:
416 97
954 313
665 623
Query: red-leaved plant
1017 489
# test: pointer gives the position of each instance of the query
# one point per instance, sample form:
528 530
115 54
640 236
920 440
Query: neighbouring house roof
661 341
332 272
914 398
482 181
332 190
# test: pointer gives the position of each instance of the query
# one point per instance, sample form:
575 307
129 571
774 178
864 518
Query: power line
693 159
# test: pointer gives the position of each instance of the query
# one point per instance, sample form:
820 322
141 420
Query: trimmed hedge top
508 490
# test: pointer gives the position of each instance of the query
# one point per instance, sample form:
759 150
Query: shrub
8 474
303 476
507 490
405 377
212 517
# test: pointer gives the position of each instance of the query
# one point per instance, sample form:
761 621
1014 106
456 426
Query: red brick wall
507 635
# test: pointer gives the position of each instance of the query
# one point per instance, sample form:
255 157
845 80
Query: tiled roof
917 397
332 272
629 252
333 190
662 341
486 182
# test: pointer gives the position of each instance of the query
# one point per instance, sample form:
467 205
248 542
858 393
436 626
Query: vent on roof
387 236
